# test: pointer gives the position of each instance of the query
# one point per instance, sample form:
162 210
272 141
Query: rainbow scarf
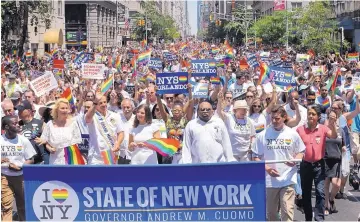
108 157
68 95
326 103
107 84
73 155
165 147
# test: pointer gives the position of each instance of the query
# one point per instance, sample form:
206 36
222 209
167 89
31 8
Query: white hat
240 104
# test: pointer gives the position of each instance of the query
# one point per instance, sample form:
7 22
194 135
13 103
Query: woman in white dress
257 116
142 131
60 132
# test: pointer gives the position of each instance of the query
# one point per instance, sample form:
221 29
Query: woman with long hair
60 132
257 116
143 130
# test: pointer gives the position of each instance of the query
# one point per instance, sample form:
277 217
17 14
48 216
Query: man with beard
206 139
16 150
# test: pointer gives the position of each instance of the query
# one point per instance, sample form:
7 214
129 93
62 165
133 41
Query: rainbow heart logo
60 195
212 64
182 79
288 141
19 148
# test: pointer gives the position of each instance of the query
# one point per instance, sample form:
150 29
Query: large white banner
44 83
92 71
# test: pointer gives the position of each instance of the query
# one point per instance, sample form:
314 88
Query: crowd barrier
206 192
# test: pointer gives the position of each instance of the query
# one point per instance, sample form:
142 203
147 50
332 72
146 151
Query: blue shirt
355 126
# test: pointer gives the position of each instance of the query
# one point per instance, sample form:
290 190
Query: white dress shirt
206 142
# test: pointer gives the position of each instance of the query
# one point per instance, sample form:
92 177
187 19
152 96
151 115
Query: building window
295 5
60 8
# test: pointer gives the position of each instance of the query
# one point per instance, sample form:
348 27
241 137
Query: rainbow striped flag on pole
68 95
73 155
165 147
107 84
144 57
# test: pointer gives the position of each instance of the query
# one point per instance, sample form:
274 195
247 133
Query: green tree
240 21
15 19
315 27
161 25
272 28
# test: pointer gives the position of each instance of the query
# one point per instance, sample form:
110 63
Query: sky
192 12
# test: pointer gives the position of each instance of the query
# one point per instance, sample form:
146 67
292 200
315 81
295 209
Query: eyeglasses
255 106
169 98
205 109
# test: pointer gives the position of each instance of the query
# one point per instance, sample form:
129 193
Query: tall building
41 39
267 7
178 11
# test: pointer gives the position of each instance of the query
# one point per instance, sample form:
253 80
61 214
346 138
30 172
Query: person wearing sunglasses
347 85
324 100
310 98
316 85
257 116
206 139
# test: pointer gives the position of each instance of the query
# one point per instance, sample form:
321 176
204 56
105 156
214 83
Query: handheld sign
203 67
200 90
92 71
155 64
172 83
44 84
282 77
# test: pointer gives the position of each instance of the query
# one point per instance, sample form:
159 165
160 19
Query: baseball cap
23 106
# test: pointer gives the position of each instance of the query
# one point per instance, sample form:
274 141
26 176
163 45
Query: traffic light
141 22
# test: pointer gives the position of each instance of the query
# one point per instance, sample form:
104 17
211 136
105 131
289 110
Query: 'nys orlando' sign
172 83
203 67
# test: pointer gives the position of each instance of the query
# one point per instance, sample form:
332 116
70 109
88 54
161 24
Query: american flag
127 23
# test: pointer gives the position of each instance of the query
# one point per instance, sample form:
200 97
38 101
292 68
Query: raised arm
91 112
220 105
292 122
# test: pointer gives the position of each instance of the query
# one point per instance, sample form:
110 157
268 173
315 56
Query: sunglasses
205 109
310 100
349 78
169 98
255 106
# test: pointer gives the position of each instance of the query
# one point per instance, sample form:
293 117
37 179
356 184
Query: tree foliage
162 26
240 20
16 19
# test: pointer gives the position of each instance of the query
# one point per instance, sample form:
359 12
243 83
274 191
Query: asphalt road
349 209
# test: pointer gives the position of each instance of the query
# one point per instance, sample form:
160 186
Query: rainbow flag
68 95
353 57
107 84
73 155
165 147
215 51
118 63
229 53
259 128
215 80
108 157
264 74
334 81
28 55
182 47
326 103
54 52
289 89
221 64
144 57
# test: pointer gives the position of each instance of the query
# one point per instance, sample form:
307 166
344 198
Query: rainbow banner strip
108 157
107 84
165 147
73 155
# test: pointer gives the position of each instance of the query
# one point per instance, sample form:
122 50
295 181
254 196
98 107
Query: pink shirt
314 142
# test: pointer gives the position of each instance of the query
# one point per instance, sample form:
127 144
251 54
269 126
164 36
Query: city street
349 209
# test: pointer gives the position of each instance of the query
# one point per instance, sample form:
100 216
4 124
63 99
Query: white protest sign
44 84
318 70
92 71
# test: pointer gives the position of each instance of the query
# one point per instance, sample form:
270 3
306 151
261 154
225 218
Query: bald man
7 108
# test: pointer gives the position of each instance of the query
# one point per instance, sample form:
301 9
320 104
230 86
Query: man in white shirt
16 150
290 109
206 139
105 132
127 118
29 95
279 142
240 86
